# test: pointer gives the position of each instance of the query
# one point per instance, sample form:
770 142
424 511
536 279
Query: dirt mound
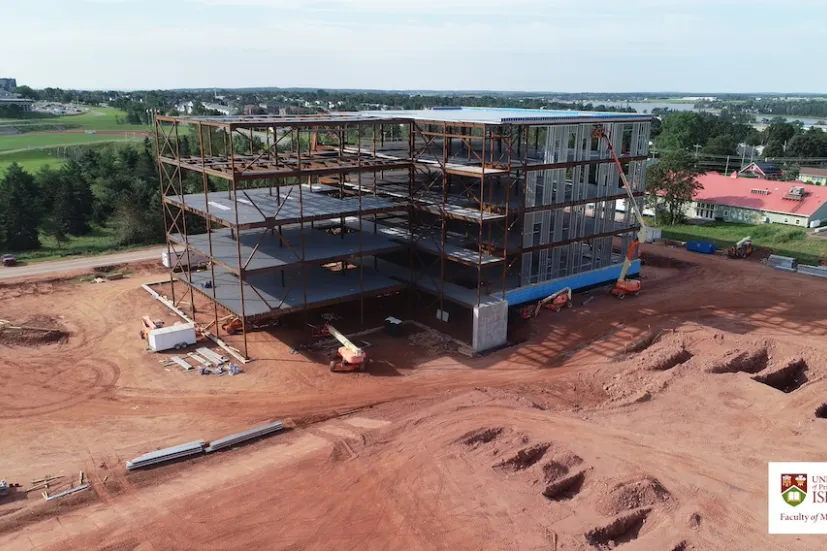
746 361
644 492
787 379
621 530
566 488
524 458
476 438
32 332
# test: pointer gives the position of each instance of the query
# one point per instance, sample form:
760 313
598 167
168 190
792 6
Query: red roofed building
757 201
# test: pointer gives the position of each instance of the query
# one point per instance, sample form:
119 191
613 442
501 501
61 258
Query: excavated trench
480 436
787 379
622 530
566 488
746 362
669 361
524 458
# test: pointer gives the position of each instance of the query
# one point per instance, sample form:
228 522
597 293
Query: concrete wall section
490 326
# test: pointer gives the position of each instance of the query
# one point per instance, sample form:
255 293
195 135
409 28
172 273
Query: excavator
742 249
352 357
556 302
624 287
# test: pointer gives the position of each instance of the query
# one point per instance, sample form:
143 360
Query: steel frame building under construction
473 209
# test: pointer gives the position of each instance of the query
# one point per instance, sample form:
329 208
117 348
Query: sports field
47 145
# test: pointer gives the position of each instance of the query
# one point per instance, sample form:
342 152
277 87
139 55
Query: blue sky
542 45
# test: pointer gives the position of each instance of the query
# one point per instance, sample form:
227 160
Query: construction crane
742 249
556 302
352 357
623 286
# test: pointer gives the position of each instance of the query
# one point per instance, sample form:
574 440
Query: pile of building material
818 271
200 446
240 437
167 454
432 342
52 483
65 493
786 263
212 357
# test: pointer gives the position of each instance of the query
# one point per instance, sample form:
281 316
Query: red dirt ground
645 424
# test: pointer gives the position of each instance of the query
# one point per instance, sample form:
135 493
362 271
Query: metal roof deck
494 115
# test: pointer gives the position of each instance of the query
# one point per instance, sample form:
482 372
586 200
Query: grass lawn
783 240
96 118
100 240
37 141
32 160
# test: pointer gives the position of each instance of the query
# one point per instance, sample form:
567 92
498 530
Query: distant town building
817 176
185 107
758 201
761 169
223 109
8 84
9 99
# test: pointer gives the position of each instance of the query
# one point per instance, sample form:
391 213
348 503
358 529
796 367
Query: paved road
81 263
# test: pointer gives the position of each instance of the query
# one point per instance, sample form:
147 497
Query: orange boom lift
623 286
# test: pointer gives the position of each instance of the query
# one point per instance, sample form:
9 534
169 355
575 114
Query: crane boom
344 340
600 132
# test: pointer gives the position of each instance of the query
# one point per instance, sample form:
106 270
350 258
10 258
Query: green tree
812 143
725 144
19 210
27 92
774 148
673 183
682 130
780 131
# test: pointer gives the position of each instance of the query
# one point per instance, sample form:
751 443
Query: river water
647 106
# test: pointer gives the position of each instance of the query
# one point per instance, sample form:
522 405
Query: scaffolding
464 206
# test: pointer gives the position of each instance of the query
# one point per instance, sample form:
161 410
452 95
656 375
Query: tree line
777 107
710 134
116 185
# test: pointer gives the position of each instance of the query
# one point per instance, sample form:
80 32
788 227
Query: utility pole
697 147
726 170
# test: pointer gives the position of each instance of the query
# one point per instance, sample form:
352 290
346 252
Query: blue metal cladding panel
578 281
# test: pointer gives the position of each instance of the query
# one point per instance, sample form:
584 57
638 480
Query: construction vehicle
557 301
352 357
624 287
233 326
742 249
147 325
